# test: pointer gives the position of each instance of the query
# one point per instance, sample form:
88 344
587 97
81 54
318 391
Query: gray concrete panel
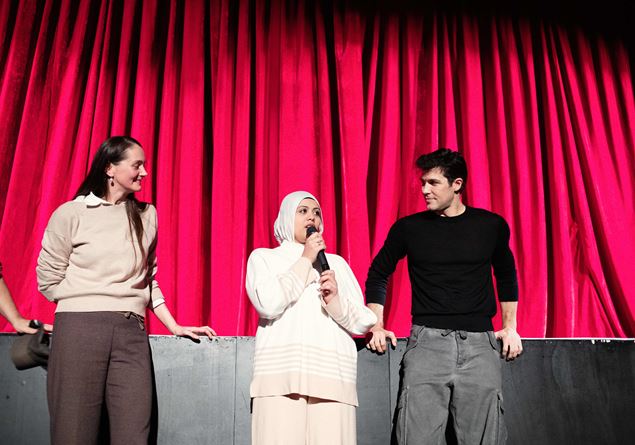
394 356
24 416
373 392
242 400
571 392
195 385
560 391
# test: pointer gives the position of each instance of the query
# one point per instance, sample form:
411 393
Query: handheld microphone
320 256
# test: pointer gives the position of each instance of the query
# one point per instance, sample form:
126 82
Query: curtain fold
238 103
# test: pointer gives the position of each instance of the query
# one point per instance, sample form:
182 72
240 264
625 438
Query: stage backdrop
238 103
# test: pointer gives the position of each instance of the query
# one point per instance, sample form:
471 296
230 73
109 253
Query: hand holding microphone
328 285
321 257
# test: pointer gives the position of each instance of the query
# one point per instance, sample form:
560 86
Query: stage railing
575 391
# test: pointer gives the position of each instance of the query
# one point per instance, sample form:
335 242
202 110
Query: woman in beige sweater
305 363
98 263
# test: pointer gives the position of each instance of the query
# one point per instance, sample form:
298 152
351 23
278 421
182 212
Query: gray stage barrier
559 392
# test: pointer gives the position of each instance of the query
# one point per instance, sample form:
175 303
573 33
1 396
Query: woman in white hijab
305 363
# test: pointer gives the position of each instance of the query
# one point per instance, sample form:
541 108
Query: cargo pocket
401 426
501 429
493 341
413 340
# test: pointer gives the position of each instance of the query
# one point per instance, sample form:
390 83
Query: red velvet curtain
238 103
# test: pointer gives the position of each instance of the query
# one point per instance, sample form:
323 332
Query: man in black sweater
453 358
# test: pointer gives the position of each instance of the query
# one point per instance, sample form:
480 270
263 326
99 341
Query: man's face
438 192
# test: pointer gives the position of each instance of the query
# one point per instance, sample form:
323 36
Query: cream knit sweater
303 345
89 262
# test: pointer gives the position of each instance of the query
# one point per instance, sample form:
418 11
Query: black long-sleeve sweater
450 262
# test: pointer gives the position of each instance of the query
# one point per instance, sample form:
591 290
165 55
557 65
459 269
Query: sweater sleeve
156 296
271 293
504 266
347 307
384 265
56 251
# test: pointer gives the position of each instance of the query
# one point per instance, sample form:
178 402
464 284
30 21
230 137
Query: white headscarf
284 226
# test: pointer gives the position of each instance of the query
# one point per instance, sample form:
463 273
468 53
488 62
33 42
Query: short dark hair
450 162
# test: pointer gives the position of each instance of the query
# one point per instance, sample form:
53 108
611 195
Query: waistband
469 323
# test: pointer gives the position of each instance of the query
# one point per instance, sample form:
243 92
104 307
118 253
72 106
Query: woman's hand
328 285
194 332
163 314
312 246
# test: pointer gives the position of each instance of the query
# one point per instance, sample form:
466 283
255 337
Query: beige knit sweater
303 345
89 262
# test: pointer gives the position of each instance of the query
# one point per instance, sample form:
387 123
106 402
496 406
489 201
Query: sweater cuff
507 292
302 269
375 297
333 307
156 296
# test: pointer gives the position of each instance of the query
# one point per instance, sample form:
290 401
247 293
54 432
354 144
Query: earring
112 181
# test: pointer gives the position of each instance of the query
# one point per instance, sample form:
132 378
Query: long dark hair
112 151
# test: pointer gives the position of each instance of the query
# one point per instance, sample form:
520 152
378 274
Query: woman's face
129 172
307 214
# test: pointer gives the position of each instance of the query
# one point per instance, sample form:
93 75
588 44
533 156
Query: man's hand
512 344
377 337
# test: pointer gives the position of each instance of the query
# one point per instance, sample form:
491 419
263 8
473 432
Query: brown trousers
99 358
